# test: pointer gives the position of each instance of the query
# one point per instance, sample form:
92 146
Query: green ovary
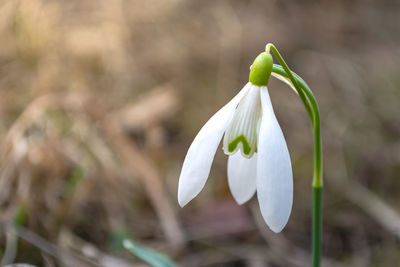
246 146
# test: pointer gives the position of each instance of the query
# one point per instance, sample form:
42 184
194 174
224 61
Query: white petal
285 80
242 176
198 160
274 170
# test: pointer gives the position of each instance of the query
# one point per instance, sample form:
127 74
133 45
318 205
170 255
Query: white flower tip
277 228
182 203
241 200
242 175
243 194
277 223
277 219
183 197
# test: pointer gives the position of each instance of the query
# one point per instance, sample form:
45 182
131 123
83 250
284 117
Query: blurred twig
374 206
141 167
69 242
11 246
49 248
137 163
156 105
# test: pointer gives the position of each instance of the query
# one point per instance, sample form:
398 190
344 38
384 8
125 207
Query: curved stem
311 106
288 74
300 85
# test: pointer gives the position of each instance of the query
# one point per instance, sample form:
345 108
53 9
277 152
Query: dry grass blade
158 104
374 206
141 167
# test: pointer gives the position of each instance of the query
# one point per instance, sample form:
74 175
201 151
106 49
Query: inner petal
242 132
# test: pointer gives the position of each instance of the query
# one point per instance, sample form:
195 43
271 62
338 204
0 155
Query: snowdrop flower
258 160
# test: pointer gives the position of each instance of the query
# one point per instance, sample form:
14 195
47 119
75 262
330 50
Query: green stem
317 226
311 106
288 73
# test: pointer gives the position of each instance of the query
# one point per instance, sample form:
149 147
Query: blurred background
100 100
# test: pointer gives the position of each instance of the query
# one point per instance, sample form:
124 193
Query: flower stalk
311 106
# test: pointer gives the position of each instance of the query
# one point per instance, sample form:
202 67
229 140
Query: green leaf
147 255
76 176
21 216
117 238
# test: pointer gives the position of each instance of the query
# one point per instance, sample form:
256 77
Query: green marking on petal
241 138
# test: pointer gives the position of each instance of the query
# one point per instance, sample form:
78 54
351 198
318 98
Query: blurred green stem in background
147 255
311 106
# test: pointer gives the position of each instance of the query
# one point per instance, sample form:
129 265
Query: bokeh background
100 100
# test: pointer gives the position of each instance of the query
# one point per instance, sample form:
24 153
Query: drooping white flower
258 156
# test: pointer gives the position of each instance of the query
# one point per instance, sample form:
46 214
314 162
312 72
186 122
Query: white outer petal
274 170
242 176
198 160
